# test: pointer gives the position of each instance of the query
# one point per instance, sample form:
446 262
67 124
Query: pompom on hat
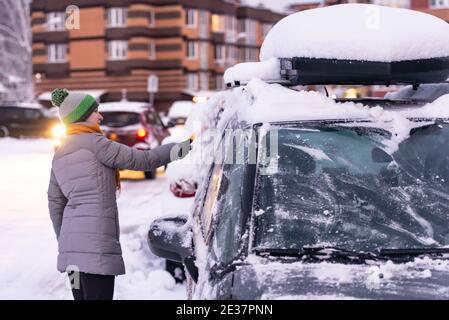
73 106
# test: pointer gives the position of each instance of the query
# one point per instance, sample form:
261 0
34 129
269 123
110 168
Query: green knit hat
73 107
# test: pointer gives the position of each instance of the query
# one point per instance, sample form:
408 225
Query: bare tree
16 82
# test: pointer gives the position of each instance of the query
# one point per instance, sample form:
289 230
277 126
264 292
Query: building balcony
128 32
52 70
121 67
51 36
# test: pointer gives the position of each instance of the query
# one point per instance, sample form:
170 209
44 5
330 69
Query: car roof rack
313 71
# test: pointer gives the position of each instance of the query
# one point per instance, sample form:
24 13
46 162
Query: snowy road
28 246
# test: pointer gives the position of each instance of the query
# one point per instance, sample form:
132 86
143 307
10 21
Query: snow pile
244 72
123 106
358 32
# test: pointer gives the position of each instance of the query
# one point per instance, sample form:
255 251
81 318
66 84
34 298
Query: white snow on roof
94 93
274 103
180 109
244 72
358 32
31 105
123 106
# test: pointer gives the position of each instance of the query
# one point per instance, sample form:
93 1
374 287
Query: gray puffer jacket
82 202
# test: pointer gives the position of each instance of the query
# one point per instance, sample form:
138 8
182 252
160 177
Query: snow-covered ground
28 247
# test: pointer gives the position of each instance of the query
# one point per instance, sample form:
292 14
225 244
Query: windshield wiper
407 254
314 254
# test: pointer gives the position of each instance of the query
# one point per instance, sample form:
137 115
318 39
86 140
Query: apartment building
438 8
188 44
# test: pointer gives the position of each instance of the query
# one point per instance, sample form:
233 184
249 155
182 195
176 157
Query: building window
192 81
192 50
266 27
56 21
220 53
230 54
152 51
250 30
204 24
219 82
117 17
191 18
204 81
151 19
118 49
251 54
218 23
57 52
439 4
231 28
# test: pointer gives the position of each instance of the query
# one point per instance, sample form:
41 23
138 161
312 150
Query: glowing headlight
58 131
198 99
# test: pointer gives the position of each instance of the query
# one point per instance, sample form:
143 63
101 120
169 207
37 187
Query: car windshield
333 186
120 119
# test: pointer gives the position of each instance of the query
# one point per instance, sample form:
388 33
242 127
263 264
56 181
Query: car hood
261 278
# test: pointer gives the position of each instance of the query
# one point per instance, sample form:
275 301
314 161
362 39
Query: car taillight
141 133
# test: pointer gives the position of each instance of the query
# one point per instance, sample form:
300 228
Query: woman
82 195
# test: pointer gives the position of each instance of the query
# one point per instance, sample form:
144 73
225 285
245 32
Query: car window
120 119
335 187
153 118
31 114
228 231
210 200
11 113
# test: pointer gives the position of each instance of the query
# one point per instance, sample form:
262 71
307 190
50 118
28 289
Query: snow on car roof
180 109
31 105
265 102
358 32
123 106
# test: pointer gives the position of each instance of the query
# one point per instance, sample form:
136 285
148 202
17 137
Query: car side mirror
171 238
380 156
183 189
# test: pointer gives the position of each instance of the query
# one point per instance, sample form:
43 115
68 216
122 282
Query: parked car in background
179 111
26 120
134 124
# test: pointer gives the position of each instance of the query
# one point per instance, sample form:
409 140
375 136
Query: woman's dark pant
86 286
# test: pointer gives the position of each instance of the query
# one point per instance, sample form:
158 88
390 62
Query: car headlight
58 131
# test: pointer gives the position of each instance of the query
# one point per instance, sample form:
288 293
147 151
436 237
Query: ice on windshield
364 198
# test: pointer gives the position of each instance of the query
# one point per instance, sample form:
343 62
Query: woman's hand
180 150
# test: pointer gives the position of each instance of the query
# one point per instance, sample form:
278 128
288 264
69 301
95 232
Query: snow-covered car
311 197
179 111
134 124
26 120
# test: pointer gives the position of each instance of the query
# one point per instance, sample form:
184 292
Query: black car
26 120
309 196
350 209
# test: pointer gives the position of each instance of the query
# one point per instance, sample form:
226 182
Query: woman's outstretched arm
120 156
